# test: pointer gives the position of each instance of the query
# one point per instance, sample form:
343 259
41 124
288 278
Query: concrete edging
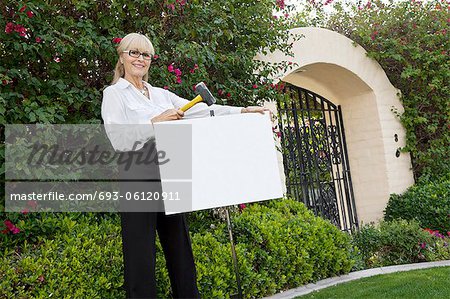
306 289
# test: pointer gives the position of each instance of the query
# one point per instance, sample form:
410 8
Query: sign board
218 161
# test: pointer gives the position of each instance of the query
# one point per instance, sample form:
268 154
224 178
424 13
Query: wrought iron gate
315 156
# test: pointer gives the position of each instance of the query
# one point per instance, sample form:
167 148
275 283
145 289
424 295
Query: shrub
82 262
280 244
399 242
290 245
426 202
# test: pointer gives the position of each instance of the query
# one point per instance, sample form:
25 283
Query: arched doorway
329 64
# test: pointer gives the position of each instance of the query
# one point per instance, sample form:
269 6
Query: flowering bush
400 242
57 57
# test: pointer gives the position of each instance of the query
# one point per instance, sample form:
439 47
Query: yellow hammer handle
196 100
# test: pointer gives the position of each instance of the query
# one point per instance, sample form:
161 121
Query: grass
423 284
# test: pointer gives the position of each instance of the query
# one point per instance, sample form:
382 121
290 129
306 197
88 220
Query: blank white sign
233 161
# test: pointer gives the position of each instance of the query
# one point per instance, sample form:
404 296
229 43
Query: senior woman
132 100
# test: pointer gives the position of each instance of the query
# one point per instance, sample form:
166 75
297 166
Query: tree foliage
410 40
57 56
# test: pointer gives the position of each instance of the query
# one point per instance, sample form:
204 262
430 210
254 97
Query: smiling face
135 67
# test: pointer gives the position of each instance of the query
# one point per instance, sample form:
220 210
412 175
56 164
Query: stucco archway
330 65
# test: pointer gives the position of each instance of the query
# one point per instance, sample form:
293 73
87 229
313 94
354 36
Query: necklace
144 91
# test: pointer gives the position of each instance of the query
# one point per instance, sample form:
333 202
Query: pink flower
155 57
20 29
9 224
11 227
195 68
254 86
423 245
41 278
275 17
170 68
166 87
220 92
25 211
22 9
117 40
286 15
228 94
242 206
171 6
9 28
179 80
280 4
181 2
57 59
177 72
30 14
38 39
373 35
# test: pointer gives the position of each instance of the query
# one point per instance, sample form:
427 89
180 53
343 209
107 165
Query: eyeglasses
137 54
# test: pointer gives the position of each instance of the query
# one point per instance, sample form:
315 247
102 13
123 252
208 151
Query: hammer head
206 95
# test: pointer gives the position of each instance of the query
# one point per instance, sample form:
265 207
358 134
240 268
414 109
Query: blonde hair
131 41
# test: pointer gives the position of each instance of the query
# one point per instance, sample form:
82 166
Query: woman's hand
254 109
168 115
257 109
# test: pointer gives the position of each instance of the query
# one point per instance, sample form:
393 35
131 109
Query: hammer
204 95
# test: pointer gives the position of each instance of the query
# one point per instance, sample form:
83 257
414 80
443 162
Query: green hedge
280 244
427 202
399 242
83 260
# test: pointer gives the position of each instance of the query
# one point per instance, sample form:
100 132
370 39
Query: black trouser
139 233
139 254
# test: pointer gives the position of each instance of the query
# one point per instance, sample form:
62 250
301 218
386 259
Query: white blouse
124 104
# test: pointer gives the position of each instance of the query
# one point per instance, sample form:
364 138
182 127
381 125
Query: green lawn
420 284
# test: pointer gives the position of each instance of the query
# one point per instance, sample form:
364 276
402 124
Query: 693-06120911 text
97 195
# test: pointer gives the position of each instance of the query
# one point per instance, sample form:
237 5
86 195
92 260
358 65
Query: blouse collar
123 83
